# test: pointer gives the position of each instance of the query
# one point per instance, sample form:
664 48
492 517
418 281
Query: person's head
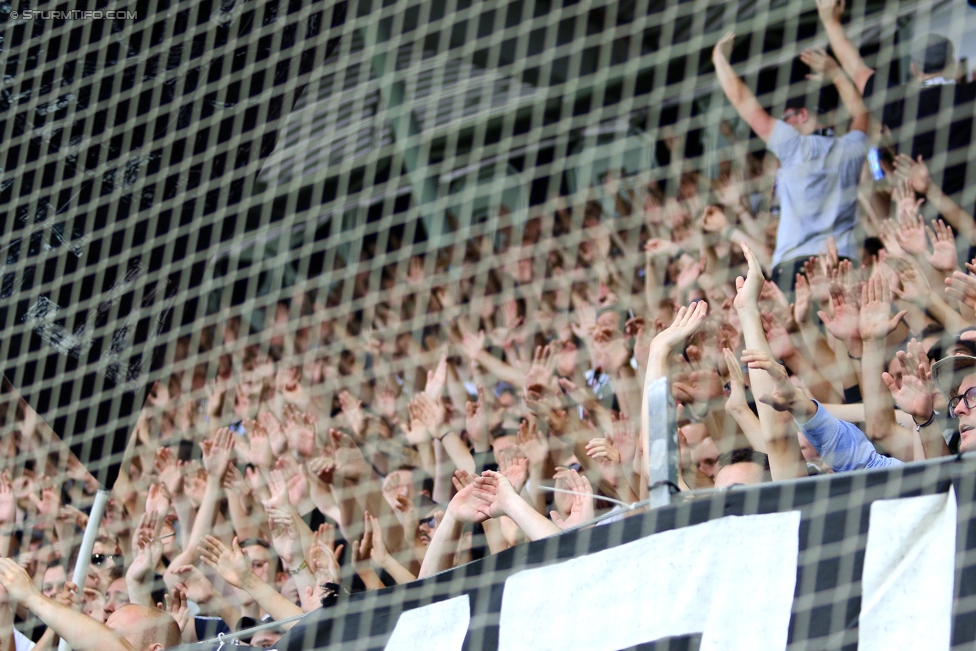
53 580
267 638
428 523
106 566
264 561
145 628
932 56
116 596
503 439
798 116
742 467
705 456
955 376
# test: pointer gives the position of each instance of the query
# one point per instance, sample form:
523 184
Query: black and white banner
868 561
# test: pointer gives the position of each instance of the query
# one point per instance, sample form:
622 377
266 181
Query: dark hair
250 542
932 53
746 455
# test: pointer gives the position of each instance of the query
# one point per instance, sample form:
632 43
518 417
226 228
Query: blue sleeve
785 142
841 445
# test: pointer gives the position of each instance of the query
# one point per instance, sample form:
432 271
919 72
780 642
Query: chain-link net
390 246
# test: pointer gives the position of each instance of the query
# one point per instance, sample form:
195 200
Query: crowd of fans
798 304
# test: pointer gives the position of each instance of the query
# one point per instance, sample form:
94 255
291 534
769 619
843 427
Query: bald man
130 628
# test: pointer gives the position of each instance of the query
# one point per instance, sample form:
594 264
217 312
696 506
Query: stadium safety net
197 196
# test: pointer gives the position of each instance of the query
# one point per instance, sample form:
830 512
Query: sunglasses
99 559
430 521
969 398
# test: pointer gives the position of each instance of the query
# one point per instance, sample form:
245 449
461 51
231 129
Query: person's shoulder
781 135
854 136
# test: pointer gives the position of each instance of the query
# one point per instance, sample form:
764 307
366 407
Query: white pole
87 543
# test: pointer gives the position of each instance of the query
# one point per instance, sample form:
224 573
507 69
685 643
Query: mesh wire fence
217 206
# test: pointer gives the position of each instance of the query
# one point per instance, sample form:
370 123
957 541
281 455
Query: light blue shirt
817 188
841 445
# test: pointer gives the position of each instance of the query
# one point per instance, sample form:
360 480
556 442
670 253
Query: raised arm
464 508
686 323
80 631
782 445
738 93
850 59
501 499
824 66
232 564
875 324
840 444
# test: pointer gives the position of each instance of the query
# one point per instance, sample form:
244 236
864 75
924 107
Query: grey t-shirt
817 186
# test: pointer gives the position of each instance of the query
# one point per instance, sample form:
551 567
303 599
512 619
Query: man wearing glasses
955 376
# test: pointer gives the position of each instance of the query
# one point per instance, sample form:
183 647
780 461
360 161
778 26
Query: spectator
819 173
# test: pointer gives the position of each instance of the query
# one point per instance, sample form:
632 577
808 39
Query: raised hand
431 412
845 322
913 391
604 451
495 491
235 482
776 334
748 289
802 296
437 379
914 287
277 436
465 506
278 487
943 256
461 479
875 320
217 453
284 535
230 563
472 344
378 552
15 580
686 323
259 453
416 432
475 420
962 287
737 387
582 509
818 279
170 472
514 466
783 392
624 438
8 505
723 49
830 11
149 552
177 607
193 583
822 65
915 172
534 444
352 409
349 461
363 550
543 364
